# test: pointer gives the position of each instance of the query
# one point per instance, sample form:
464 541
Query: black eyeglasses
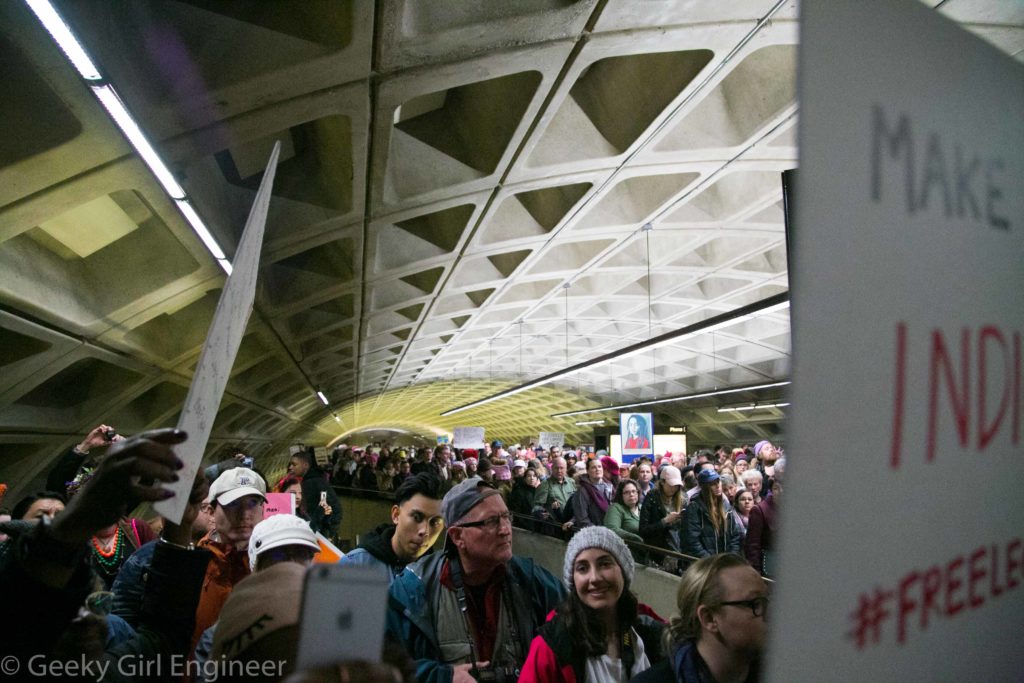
490 523
757 606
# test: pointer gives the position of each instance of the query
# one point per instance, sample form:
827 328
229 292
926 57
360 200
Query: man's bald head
558 468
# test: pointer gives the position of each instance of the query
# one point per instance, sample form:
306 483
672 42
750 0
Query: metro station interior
470 196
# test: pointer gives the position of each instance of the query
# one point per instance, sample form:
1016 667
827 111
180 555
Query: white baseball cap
519 463
279 530
235 483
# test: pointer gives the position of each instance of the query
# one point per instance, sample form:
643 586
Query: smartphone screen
343 611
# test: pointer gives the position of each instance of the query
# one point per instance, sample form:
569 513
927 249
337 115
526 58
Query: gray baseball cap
463 497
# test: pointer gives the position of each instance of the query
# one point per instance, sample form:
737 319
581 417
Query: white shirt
604 669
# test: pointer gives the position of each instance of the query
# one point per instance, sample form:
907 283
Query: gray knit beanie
598 537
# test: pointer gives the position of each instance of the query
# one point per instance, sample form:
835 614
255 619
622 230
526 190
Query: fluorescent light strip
590 422
323 398
63 36
754 406
672 399
108 96
197 224
762 307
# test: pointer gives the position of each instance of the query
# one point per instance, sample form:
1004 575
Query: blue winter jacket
535 592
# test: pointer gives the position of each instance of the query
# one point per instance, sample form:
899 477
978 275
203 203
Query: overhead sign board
908 274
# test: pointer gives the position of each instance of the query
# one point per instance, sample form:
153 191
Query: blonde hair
699 586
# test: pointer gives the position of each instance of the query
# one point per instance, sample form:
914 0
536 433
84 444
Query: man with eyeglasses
469 613
720 631
237 497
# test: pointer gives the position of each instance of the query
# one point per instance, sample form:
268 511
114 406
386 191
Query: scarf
595 495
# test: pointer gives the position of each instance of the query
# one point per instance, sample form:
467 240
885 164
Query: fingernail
167 494
178 463
175 477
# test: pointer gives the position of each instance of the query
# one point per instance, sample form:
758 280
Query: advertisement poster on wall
636 434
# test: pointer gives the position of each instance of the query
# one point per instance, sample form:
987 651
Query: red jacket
552 658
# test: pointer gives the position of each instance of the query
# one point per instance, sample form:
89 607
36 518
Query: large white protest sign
468 437
901 551
219 350
550 439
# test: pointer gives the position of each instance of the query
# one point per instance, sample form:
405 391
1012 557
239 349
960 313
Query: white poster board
549 439
219 351
321 455
468 437
901 553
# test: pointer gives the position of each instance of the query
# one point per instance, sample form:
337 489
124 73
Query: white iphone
342 616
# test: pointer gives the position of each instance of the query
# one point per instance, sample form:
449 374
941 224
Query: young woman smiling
600 632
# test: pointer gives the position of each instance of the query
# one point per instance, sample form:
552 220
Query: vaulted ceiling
470 195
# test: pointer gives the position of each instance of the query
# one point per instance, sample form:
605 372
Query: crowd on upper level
100 584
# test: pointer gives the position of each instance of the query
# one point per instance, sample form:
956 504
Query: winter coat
685 665
586 508
375 551
34 587
623 522
701 539
535 593
226 568
652 523
521 498
313 484
553 657
761 532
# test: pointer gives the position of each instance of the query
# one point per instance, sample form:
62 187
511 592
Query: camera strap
455 571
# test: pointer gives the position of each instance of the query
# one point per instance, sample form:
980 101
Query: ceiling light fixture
115 107
751 406
590 422
112 102
63 36
322 398
672 399
767 305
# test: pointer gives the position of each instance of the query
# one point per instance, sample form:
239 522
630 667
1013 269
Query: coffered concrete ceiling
460 207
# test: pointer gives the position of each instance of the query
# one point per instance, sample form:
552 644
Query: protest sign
219 351
468 437
549 439
901 551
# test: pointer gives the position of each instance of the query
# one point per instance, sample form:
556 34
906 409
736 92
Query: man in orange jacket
237 497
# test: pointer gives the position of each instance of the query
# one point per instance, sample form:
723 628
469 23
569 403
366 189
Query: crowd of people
698 505
217 596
